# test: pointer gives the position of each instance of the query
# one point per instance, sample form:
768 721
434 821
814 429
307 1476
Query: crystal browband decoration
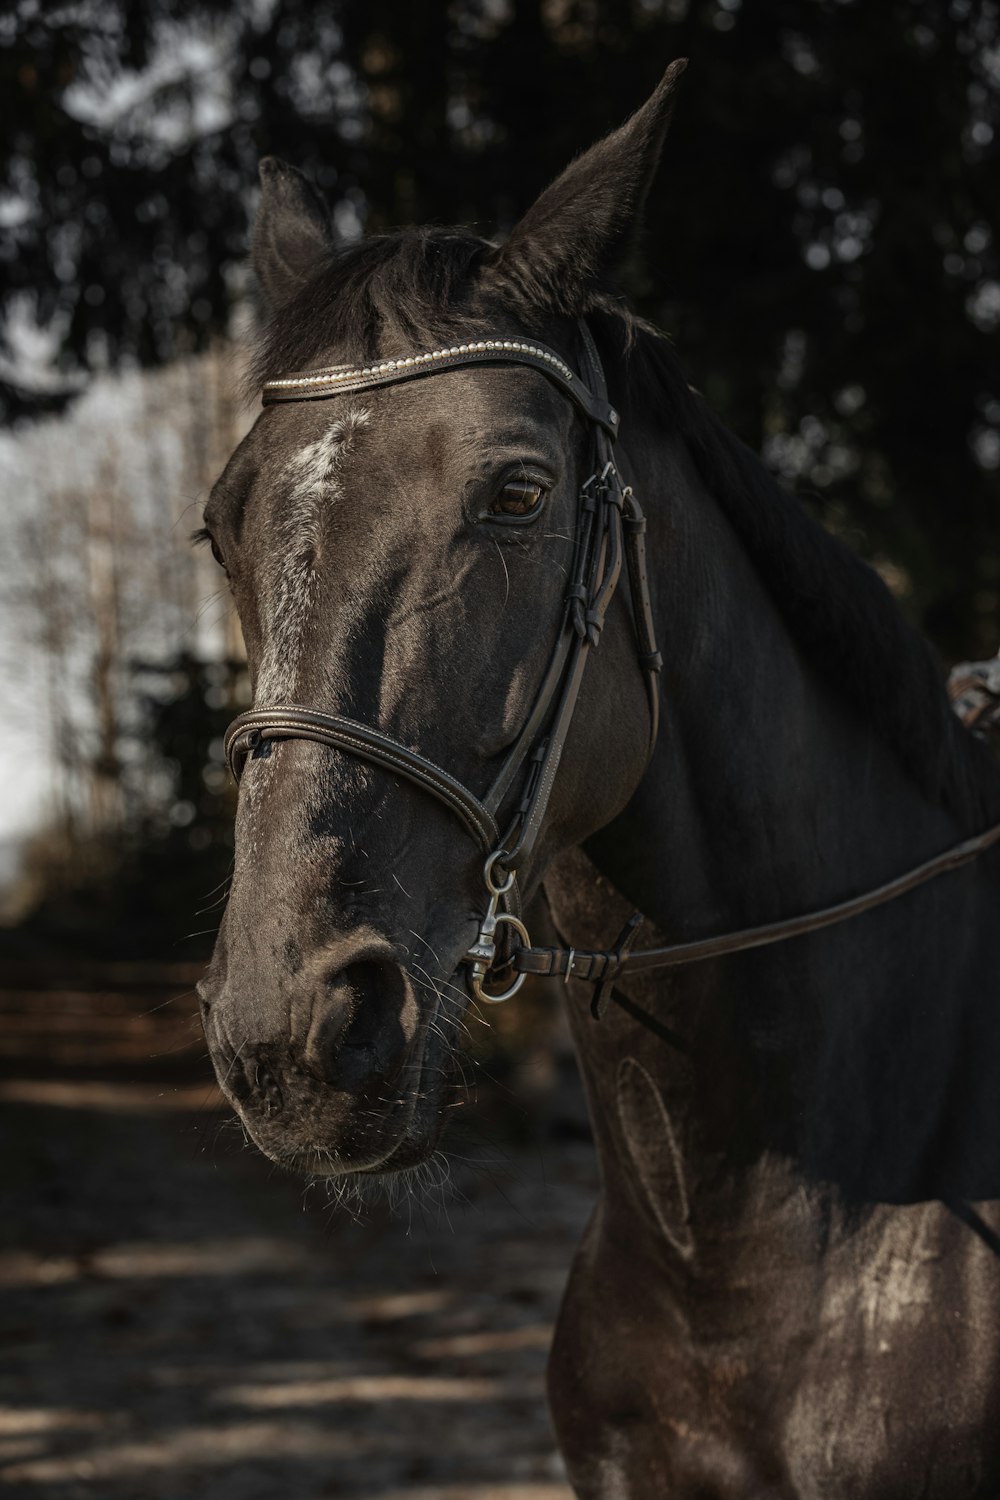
387 367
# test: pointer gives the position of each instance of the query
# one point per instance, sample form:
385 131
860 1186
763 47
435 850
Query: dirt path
174 1324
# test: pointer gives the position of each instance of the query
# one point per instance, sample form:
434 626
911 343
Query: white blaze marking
314 483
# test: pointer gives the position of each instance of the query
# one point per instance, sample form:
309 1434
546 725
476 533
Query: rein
610 533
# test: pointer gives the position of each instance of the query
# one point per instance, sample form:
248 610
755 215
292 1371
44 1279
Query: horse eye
203 535
519 497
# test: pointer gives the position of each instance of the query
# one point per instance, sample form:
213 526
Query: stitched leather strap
650 658
634 541
597 565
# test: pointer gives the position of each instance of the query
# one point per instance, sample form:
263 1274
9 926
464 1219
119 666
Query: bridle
610 530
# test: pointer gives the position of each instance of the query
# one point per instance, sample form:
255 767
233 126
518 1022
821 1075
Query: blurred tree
182 837
121 642
133 888
822 242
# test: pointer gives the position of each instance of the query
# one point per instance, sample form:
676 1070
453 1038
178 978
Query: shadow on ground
180 1320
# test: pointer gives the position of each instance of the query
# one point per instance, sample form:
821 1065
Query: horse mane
401 289
837 608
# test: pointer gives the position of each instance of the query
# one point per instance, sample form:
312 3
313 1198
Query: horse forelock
410 287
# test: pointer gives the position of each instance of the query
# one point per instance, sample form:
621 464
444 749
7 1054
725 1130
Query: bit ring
476 979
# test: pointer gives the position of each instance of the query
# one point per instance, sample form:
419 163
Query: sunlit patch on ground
113 1098
174 1324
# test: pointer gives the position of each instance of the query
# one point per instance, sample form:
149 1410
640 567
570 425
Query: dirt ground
178 1319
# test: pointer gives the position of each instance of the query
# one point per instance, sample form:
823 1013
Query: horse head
400 553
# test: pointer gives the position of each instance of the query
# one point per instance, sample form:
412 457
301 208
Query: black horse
790 1285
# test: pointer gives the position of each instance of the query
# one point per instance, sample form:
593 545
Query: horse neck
769 791
770 795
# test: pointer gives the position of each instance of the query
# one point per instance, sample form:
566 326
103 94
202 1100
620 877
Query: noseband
610 529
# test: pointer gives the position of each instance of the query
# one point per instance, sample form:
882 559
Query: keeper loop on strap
595 620
535 763
612 968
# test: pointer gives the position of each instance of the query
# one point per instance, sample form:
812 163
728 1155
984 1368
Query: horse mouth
407 1147
325 1133
317 1162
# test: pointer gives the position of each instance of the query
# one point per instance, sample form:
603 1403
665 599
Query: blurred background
821 243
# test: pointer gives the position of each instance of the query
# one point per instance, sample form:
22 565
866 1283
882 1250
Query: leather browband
312 385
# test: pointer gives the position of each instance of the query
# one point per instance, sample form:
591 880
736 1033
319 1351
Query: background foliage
821 242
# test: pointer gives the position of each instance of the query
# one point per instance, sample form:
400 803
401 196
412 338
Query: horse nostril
204 990
360 1026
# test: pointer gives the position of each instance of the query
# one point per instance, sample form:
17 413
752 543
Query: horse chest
746 1325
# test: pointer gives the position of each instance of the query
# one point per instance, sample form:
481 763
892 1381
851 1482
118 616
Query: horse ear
291 234
571 238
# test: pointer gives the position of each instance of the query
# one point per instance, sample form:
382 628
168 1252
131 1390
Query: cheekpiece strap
335 380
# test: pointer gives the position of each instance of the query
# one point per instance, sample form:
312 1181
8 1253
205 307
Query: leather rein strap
610 531
602 969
